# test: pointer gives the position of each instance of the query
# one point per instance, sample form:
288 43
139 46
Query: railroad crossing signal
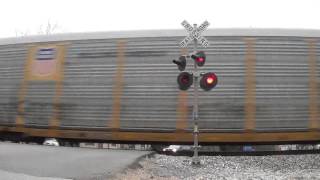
185 79
195 33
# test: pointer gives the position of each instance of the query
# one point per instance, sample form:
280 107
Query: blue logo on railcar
46 54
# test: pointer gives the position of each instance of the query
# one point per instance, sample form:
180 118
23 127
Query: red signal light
185 80
199 57
208 81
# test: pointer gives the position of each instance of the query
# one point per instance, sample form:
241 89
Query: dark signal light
185 80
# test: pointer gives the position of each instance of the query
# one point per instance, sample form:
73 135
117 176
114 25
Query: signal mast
185 79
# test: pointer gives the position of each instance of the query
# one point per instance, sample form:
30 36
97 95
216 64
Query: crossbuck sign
195 33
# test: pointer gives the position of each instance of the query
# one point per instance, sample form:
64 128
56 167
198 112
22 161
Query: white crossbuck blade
195 33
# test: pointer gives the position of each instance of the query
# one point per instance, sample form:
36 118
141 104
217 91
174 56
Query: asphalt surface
23 161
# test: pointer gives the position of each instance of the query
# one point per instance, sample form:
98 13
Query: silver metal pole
195 159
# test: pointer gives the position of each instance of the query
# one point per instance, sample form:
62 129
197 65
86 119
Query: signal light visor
181 63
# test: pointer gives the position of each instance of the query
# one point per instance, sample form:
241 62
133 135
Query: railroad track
238 153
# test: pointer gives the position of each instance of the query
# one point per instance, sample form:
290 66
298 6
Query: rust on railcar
54 122
247 137
114 122
250 83
23 90
313 86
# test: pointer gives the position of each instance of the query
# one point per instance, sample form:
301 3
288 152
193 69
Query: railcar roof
309 33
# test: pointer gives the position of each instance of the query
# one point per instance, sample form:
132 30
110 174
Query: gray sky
27 16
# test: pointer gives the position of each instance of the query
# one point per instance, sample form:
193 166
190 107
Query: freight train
122 86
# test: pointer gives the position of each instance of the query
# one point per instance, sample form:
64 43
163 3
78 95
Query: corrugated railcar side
124 88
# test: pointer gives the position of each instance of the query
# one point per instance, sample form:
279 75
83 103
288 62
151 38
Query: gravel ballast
227 167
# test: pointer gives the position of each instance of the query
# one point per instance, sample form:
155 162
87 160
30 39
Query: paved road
22 161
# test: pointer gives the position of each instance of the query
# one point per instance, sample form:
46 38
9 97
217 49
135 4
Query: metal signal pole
195 159
195 35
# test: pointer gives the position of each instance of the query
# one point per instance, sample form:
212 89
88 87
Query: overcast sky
28 16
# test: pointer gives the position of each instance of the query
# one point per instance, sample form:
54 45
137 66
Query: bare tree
46 29
49 28
19 33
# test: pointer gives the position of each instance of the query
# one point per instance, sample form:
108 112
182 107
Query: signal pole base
195 158
195 162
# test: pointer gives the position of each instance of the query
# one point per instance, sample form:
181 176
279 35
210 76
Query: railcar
122 86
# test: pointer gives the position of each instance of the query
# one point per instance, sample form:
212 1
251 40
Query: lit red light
210 80
200 59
